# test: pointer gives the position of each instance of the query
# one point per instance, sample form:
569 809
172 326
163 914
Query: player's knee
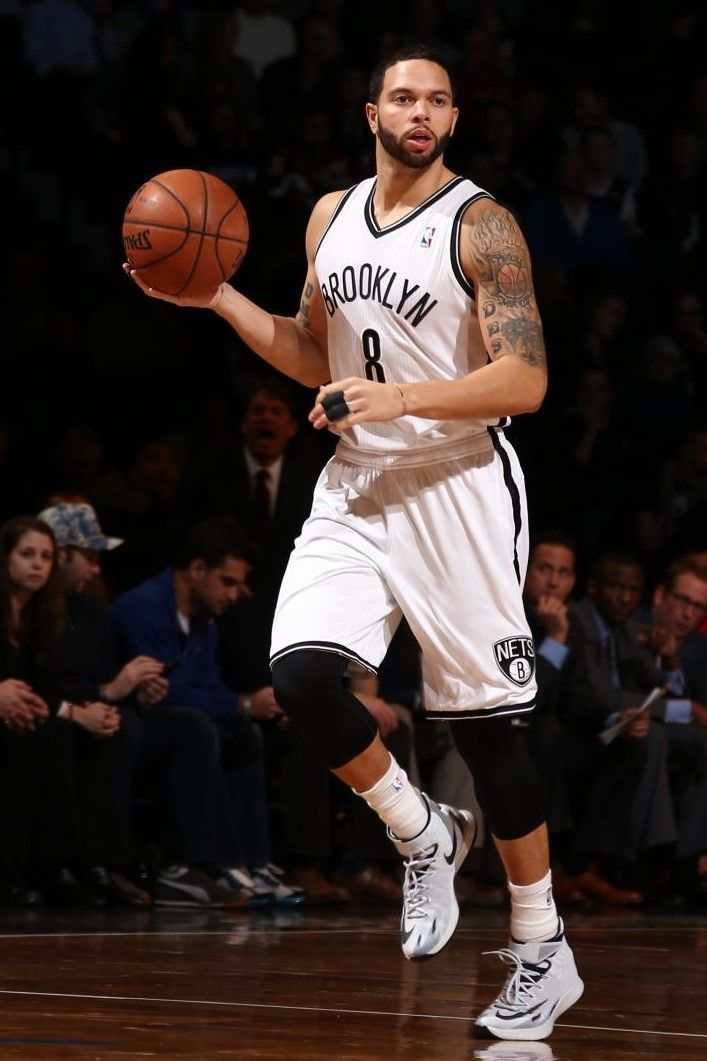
307 679
309 687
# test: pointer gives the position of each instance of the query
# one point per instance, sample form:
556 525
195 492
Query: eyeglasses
688 602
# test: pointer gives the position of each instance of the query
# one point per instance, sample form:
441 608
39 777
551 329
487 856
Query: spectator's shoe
594 886
116 888
318 889
239 881
372 885
189 886
272 878
542 984
430 908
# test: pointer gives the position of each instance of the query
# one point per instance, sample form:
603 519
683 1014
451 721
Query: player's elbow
533 392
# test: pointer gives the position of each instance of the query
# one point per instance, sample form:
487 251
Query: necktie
262 512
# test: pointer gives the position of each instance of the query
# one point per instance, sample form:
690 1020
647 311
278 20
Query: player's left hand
366 401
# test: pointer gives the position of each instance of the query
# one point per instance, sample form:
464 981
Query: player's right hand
210 301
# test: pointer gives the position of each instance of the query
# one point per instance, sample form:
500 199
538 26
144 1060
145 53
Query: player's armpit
497 260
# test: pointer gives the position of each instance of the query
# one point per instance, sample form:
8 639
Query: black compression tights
508 786
310 690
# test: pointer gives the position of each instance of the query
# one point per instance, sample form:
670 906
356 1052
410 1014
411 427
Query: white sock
533 913
397 803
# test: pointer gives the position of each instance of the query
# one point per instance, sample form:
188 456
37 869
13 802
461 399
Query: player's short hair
403 55
213 541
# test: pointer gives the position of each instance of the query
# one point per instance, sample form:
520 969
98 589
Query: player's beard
397 150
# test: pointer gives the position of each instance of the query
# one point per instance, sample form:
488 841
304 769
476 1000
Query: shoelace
416 869
522 981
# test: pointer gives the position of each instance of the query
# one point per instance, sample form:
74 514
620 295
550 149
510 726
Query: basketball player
418 306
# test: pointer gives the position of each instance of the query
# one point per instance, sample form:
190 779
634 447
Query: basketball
185 232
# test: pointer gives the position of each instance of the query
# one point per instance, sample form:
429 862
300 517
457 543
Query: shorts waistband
478 446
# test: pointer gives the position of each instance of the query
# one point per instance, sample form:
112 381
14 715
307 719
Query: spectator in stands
629 821
548 585
141 501
172 618
569 230
173 750
104 740
592 108
601 181
680 653
263 480
35 786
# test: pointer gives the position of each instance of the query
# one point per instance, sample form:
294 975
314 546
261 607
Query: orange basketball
185 232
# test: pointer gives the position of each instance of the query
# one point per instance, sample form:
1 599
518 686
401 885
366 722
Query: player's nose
421 111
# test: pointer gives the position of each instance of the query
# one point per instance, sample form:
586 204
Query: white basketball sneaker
430 908
543 982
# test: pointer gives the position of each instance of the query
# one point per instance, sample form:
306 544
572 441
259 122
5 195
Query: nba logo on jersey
427 235
516 658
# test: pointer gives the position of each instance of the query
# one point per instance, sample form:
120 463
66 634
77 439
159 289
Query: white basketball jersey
401 310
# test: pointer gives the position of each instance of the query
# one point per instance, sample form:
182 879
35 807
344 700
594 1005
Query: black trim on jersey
482 712
326 646
466 287
513 491
339 207
375 229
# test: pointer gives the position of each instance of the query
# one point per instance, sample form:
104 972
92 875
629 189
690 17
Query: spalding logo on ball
185 232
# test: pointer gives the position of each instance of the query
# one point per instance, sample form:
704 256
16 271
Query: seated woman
56 758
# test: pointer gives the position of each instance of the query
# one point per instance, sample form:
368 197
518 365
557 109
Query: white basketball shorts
444 544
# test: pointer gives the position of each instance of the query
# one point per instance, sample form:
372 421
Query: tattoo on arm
525 338
305 307
505 288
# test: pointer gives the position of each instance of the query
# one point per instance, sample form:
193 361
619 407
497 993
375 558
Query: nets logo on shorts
516 658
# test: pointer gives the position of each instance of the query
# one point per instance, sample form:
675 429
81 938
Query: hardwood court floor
300 986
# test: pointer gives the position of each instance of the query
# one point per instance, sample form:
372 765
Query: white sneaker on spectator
430 908
241 882
188 886
543 982
271 877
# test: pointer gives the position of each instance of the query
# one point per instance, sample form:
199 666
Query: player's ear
372 117
455 116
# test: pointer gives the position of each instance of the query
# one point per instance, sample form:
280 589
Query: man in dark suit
622 787
266 484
